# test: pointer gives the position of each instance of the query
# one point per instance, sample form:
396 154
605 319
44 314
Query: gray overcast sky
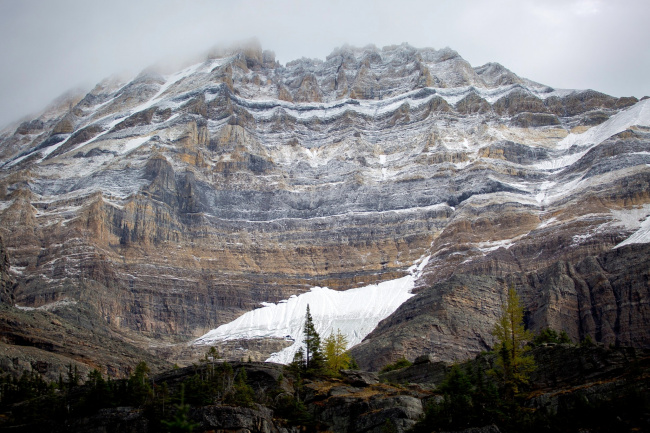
48 47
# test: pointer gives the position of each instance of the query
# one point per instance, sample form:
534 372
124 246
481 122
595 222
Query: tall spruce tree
313 355
138 385
513 364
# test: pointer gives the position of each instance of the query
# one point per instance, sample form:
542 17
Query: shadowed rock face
68 333
7 281
174 203
604 296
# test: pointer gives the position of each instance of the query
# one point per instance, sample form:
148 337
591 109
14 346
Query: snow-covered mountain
175 203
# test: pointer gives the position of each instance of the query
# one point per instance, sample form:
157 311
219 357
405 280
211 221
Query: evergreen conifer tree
243 394
181 421
98 390
73 376
313 355
138 385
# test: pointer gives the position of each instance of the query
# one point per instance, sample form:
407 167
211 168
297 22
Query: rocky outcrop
120 419
347 412
360 378
425 371
209 418
256 350
344 407
50 340
450 320
225 418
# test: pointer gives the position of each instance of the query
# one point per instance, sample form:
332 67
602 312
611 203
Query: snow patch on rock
637 115
637 218
355 312
51 306
134 144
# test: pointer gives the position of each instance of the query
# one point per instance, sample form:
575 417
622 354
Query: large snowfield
355 312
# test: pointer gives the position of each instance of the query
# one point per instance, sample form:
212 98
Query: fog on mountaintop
49 47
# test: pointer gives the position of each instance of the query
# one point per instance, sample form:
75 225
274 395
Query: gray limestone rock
360 378
174 204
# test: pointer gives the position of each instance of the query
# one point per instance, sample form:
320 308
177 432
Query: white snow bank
487 247
638 114
356 312
637 218
134 144
641 236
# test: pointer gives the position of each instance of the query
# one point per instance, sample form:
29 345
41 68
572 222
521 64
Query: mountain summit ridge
174 203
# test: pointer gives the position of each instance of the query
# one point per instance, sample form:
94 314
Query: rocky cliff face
603 296
173 203
7 281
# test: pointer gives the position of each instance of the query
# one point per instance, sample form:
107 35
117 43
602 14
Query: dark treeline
472 395
33 401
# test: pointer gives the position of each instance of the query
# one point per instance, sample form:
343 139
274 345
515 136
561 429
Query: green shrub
587 341
293 411
242 394
549 335
399 364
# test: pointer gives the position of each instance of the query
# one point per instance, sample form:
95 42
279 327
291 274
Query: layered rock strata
175 202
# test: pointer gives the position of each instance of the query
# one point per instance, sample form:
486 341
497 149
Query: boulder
360 378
